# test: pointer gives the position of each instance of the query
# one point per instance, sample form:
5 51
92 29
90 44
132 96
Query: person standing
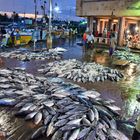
13 38
136 133
17 37
113 43
84 38
90 40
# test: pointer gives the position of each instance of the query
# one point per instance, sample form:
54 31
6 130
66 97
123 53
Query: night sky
67 7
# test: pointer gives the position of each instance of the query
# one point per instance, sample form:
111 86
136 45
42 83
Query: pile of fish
80 72
26 55
64 111
126 55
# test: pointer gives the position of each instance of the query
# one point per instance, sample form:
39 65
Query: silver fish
83 133
50 129
38 133
74 134
38 118
30 116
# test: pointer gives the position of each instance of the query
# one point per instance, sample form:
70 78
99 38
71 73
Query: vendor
17 38
136 133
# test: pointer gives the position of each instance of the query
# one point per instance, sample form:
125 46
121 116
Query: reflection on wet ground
123 92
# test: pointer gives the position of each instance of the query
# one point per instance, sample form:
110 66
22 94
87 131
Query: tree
4 17
16 17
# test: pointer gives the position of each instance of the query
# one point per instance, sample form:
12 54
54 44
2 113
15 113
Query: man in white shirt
90 39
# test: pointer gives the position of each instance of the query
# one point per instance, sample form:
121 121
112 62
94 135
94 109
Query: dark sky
67 7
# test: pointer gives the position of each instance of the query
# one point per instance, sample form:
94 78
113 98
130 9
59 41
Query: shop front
119 16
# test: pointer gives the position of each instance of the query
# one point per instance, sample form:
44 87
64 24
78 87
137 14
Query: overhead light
128 31
136 28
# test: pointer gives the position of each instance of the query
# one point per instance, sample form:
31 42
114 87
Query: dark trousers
136 135
111 50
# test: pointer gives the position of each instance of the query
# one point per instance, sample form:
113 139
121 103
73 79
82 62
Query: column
103 26
139 27
90 23
110 24
98 25
121 30
126 24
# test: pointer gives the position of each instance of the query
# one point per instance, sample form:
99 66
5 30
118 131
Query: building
118 15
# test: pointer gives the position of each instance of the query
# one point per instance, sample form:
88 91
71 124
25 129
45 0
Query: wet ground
123 92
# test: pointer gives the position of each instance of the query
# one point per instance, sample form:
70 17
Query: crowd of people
10 35
88 41
131 41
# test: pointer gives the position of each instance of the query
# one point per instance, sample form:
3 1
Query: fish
7 102
91 135
69 127
50 129
96 113
66 135
113 133
30 116
57 135
83 133
48 103
82 72
74 134
91 94
86 122
61 123
91 115
63 110
37 118
47 119
75 122
26 107
28 56
38 133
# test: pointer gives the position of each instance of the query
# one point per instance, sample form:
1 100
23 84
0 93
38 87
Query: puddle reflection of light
23 64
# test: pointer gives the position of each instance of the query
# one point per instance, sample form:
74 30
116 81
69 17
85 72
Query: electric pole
35 12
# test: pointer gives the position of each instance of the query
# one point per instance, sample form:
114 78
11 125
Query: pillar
103 26
126 24
121 30
98 25
90 23
139 27
110 24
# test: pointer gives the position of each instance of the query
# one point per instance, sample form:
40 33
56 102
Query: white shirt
90 38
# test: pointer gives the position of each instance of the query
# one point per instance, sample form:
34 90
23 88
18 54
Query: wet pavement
123 92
